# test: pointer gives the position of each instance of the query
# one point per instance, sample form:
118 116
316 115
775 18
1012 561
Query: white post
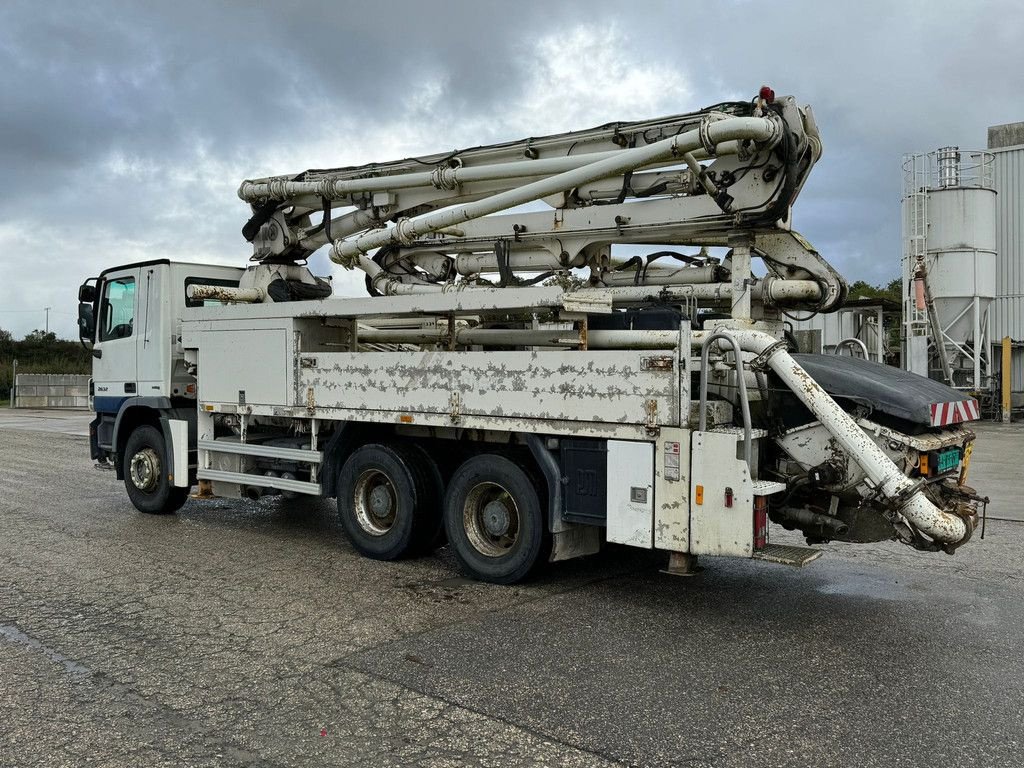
741 275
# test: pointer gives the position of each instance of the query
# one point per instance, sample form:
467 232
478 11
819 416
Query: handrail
851 342
705 349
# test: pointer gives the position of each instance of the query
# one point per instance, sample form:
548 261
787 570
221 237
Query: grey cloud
125 127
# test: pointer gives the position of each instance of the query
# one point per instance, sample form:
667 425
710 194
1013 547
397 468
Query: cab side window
117 309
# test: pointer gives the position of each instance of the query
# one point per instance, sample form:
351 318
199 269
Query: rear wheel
145 473
432 502
388 503
495 521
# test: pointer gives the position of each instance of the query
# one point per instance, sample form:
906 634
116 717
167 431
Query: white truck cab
131 315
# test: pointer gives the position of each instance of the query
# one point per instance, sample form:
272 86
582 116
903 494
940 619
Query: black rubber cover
898 393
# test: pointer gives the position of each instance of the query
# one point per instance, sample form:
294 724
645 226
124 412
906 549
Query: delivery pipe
443 177
225 293
708 273
883 474
763 130
781 291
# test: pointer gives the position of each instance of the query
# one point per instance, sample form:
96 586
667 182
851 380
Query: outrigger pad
892 391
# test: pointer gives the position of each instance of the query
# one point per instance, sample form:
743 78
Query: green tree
39 352
860 289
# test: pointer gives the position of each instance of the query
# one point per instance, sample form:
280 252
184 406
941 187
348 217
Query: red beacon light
767 94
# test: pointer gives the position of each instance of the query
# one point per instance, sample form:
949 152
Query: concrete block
52 390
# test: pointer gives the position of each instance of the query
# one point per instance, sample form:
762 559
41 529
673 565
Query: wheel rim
144 470
376 502
490 518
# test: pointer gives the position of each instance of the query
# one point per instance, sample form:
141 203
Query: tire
387 502
432 501
145 473
495 521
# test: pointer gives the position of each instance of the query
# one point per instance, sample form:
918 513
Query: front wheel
495 521
145 473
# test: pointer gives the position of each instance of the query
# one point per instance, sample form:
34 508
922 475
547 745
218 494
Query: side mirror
86 294
86 321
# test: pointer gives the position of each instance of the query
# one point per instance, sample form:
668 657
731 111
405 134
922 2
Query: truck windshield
118 308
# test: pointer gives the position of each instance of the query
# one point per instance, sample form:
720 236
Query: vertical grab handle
705 350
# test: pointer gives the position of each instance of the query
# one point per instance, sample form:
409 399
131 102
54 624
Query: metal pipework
524 337
441 178
903 494
538 260
763 130
702 423
709 273
226 293
769 290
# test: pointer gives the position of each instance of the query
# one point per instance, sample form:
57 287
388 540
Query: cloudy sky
125 128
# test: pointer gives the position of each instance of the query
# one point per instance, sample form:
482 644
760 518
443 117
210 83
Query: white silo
949 265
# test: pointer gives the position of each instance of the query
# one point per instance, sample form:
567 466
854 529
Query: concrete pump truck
568 340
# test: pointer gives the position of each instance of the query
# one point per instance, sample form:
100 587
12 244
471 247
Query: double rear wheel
495 521
392 503
389 501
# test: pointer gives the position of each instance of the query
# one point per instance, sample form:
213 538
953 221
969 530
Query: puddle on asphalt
456 581
878 590
12 634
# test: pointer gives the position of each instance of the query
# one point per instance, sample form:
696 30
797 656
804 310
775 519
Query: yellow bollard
1006 371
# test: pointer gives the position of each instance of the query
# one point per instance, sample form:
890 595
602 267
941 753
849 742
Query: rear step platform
787 555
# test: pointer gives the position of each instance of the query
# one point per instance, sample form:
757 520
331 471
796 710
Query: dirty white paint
630 490
716 527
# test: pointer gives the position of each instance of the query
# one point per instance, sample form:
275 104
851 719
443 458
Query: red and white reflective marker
952 413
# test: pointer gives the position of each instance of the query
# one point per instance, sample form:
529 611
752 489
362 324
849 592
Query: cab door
115 370
152 336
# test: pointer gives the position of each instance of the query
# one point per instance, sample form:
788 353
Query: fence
51 390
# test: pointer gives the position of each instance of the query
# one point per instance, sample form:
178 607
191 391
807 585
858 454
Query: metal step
786 555
766 487
729 429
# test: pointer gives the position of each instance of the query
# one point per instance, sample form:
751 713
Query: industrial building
962 275
1006 143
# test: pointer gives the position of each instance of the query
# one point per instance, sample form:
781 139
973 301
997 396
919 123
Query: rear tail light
760 522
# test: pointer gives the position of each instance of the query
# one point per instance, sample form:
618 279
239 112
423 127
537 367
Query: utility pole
47 319
14 380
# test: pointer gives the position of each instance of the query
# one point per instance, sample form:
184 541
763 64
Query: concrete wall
51 390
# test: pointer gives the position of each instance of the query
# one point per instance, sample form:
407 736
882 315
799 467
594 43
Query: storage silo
949 265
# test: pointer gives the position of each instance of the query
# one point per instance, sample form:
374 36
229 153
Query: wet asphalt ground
249 634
